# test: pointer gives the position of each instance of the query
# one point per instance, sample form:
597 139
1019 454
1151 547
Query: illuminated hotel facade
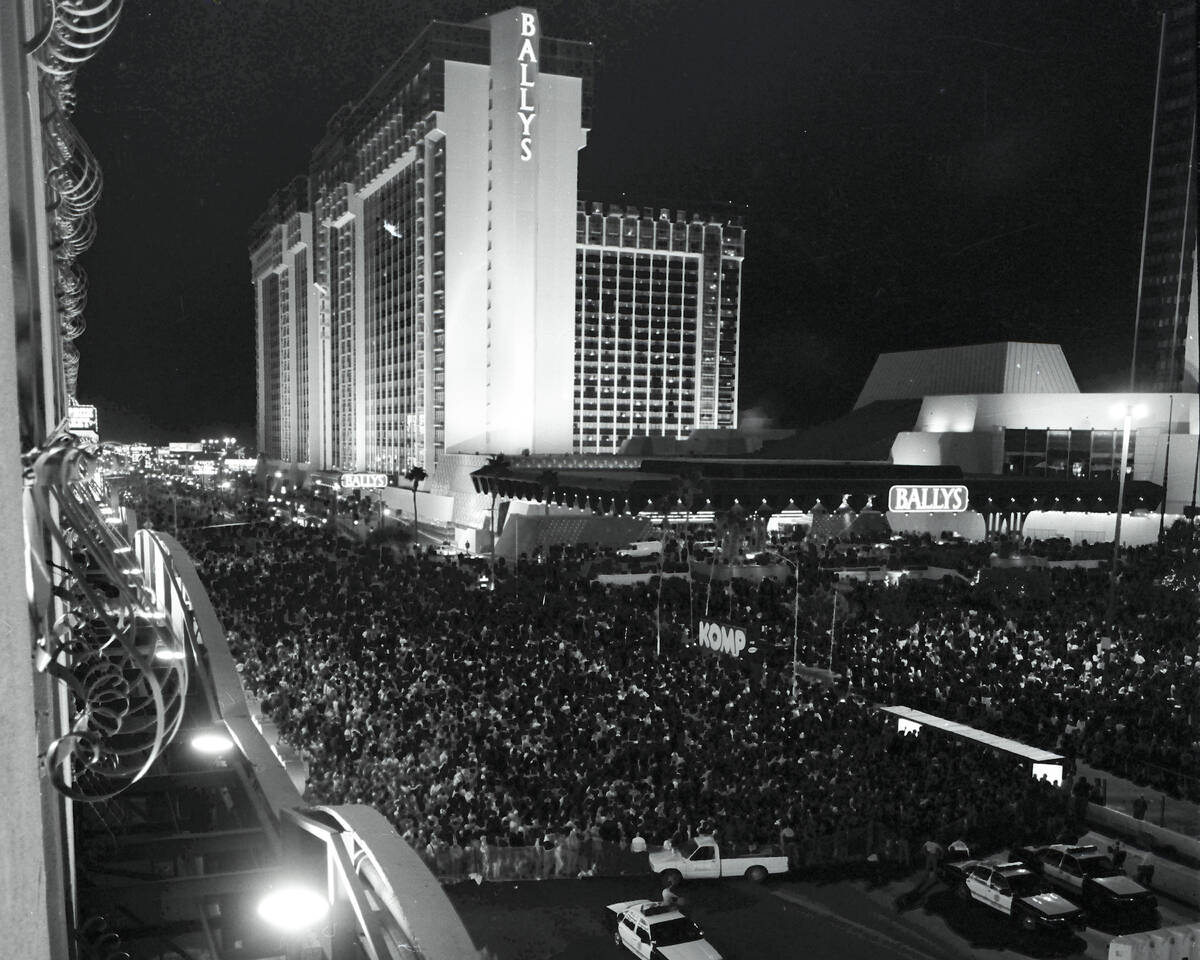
433 286
1165 355
657 308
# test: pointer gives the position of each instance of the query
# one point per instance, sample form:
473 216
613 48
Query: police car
1015 891
1084 872
658 931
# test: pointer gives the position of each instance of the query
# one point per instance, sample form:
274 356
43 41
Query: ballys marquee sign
936 498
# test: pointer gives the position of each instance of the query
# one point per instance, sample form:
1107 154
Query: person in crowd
1143 864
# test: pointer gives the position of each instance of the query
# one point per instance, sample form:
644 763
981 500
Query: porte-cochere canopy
773 486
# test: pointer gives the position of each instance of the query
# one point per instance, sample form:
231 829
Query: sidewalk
1179 816
1178 882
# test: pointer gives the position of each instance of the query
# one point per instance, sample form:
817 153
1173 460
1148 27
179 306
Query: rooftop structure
981 368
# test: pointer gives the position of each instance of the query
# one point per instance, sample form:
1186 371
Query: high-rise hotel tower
657 309
1165 356
433 287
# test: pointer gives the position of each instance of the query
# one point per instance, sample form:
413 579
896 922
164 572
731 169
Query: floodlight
212 742
293 908
1133 410
167 654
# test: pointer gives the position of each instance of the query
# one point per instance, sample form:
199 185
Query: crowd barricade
854 845
536 862
482 862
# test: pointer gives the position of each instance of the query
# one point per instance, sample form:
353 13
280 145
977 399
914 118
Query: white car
658 931
1015 891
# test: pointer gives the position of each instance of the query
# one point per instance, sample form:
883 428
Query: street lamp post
492 559
1129 412
795 618
833 625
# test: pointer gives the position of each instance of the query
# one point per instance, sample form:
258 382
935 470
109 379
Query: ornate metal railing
72 33
100 630
96 941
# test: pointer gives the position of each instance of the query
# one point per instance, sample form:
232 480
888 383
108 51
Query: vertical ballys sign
527 62
944 498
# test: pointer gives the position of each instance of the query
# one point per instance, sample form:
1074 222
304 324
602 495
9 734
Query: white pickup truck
701 858
641 549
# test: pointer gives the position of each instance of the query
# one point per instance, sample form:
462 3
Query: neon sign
527 61
930 499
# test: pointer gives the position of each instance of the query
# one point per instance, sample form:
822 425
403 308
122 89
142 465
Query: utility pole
833 624
1116 558
1162 510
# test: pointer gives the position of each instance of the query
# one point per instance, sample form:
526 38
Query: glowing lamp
211 742
293 908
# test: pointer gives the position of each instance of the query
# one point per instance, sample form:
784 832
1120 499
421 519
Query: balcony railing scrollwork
72 32
103 634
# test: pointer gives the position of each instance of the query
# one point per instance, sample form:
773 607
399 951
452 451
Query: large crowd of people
539 713
1032 657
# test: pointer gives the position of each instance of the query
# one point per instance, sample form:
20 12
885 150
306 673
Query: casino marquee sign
928 498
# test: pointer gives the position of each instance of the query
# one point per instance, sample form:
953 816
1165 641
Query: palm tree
548 479
730 531
416 475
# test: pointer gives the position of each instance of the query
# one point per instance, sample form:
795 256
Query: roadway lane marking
895 947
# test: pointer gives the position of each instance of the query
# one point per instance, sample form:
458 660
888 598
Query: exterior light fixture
169 654
212 742
293 908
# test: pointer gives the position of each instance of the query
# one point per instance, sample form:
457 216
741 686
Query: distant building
1013 410
657 308
433 288
981 368
1165 347
290 353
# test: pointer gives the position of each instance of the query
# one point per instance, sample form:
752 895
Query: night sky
912 173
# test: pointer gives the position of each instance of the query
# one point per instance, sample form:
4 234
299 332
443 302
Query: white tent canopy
1025 752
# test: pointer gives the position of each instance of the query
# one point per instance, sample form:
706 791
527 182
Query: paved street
557 920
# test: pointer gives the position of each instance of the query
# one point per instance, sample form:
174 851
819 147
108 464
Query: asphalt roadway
778 920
